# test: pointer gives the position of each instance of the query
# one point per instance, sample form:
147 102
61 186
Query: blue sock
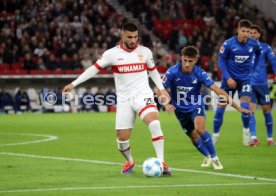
245 117
252 125
218 119
207 140
269 124
201 147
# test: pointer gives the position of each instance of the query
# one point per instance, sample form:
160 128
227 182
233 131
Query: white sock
124 148
157 139
215 158
245 130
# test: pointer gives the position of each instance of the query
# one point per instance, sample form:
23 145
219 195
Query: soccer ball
152 167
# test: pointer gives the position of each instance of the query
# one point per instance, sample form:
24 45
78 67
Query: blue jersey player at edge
236 59
260 90
184 81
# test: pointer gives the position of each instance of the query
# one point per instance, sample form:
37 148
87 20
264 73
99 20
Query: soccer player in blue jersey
185 80
260 90
236 57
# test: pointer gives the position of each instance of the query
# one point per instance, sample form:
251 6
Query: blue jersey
259 77
236 59
185 87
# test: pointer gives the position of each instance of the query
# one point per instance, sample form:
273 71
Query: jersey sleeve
222 59
167 78
104 61
271 58
205 78
150 62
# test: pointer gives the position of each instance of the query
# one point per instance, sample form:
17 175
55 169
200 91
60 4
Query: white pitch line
48 138
114 163
133 187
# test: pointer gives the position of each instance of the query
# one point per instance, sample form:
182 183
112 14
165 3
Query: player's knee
266 108
155 128
200 129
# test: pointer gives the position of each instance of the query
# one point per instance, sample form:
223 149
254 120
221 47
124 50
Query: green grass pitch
76 154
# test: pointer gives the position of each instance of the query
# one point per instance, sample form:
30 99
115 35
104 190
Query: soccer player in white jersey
131 64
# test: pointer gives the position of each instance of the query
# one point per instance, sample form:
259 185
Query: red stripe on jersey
98 67
152 68
146 107
129 68
157 138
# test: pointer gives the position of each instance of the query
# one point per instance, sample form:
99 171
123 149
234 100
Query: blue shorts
243 87
186 119
260 94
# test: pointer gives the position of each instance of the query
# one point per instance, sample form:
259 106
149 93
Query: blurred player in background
130 64
235 59
185 81
260 90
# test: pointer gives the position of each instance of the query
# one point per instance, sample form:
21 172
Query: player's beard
129 47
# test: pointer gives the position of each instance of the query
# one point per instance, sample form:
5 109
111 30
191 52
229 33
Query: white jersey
130 68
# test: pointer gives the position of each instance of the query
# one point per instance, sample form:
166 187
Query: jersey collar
122 47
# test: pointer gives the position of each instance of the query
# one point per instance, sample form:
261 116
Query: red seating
14 72
21 72
205 62
79 71
47 72
35 71
4 66
16 66
69 71
58 71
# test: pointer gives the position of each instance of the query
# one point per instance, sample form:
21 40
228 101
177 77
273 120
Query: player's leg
218 121
244 103
252 126
125 118
151 119
265 102
187 124
199 123
245 93
146 108
218 118
268 124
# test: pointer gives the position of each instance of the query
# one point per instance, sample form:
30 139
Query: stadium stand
55 40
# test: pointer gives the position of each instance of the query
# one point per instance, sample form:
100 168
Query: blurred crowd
53 35
203 23
71 35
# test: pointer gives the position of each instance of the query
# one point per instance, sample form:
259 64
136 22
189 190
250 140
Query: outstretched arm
229 100
87 74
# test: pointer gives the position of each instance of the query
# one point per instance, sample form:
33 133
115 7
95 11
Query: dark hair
130 27
190 51
245 23
257 27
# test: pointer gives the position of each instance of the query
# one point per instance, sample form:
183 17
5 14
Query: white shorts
142 104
